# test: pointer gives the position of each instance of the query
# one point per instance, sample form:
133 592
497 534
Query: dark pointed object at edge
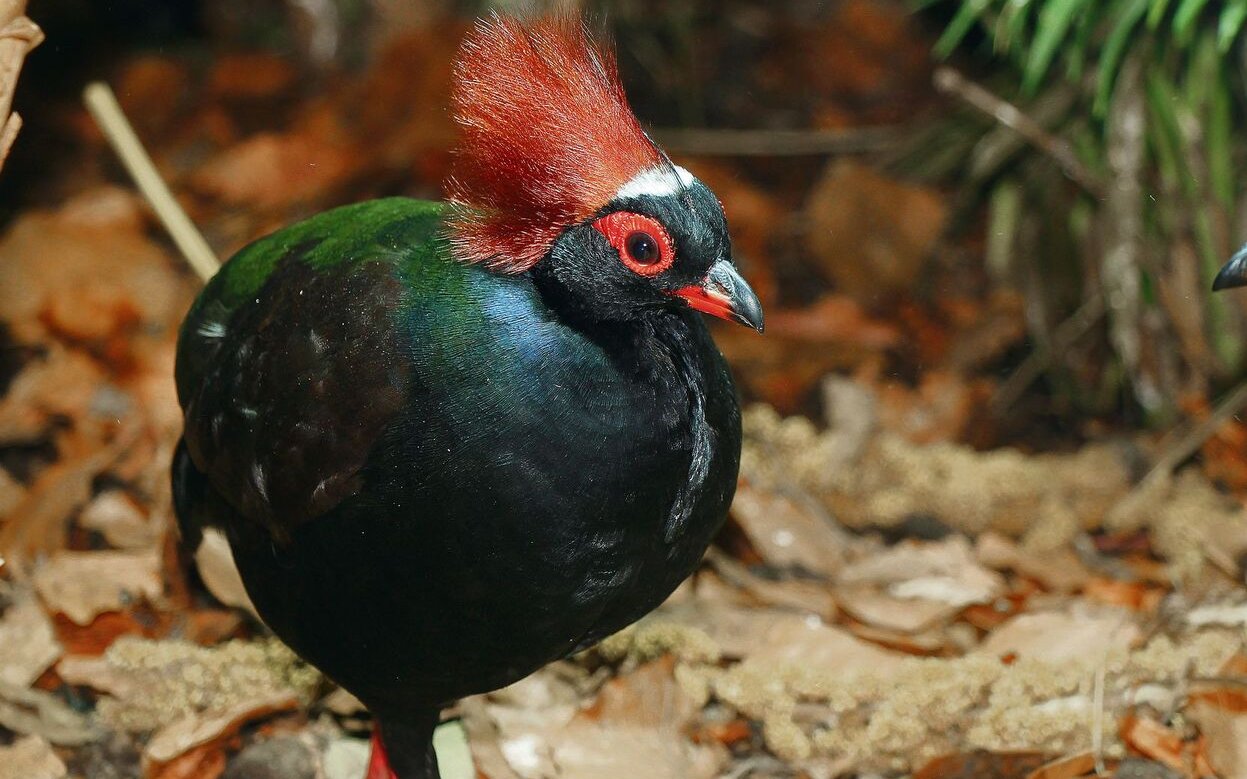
1234 274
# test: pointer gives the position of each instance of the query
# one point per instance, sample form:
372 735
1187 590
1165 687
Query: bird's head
554 175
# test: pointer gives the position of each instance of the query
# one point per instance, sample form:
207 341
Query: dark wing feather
291 364
307 378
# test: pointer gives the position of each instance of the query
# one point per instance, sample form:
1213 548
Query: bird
451 442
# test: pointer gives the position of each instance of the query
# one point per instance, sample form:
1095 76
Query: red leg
378 763
402 746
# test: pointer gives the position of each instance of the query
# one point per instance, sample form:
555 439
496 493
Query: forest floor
918 578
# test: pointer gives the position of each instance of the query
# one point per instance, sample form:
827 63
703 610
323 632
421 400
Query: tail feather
190 496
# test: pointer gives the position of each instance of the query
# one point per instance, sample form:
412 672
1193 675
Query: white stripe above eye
656 182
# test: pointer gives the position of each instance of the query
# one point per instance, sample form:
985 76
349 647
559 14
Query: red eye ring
627 231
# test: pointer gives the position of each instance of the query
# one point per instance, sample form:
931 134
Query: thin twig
1182 449
1223 681
1120 272
102 104
775 143
1097 720
950 81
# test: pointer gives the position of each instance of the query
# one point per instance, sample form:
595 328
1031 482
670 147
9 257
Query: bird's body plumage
432 484
449 443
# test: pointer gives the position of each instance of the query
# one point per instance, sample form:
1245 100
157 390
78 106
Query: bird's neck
663 351
645 346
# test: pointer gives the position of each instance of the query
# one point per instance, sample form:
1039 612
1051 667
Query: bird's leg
378 762
402 748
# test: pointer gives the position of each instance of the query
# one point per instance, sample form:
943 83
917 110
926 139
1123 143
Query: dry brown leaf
94 639
1078 633
209 627
30 757
727 733
39 524
804 595
92 249
216 567
906 615
527 714
1059 570
62 384
707 586
251 76
18 36
981 765
152 89
342 703
541 734
789 532
796 594
931 642
914 586
585 750
121 521
771 636
348 758
28 644
96 672
195 730
1152 739
1068 767
83 585
1227 614
483 741
869 234
206 761
34 712
271 170
1225 735
647 697
943 571
11 493
1130 595
939 409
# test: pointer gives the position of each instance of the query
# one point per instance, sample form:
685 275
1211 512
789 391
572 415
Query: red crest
547 138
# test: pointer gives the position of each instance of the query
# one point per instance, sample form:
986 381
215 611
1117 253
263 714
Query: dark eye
643 244
642 248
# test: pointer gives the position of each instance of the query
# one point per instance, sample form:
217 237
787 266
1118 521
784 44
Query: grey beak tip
1234 274
746 308
749 311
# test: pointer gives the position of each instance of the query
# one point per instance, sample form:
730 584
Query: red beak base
724 294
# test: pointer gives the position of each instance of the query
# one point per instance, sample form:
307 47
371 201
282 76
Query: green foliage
1038 33
1157 95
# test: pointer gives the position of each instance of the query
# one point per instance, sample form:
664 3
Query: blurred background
995 412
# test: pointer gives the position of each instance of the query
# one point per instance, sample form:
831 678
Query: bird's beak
1234 274
725 294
